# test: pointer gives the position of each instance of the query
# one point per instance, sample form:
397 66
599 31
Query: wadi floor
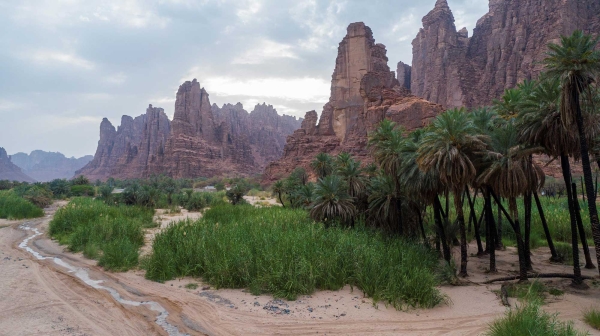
40 297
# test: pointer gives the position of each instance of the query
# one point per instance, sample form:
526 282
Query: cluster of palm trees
488 150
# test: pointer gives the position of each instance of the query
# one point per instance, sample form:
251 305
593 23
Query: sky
66 64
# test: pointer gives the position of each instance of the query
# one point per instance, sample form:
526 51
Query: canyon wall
10 171
47 166
202 140
363 92
452 69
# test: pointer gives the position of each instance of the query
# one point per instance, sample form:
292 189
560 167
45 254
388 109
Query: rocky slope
363 92
10 171
201 140
508 43
47 166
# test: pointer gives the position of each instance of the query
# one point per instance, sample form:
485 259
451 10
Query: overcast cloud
66 64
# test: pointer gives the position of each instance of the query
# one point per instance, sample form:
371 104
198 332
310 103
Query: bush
79 190
113 234
14 207
530 319
592 317
200 200
281 251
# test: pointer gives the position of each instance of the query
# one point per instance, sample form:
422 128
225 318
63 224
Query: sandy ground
255 200
164 219
38 297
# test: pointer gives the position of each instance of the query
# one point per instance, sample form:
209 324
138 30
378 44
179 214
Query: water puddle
82 274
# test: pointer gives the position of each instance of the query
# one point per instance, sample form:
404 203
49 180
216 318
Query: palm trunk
460 218
587 175
586 249
499 240
489 218
420 218
473 219
553 252
566 170
437 208
512 205
281 200
527 242
399 207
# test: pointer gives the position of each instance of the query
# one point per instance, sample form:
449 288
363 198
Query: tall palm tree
386 141
576 62
352 173
447 147
382 201
305 195
511 173
322 165
331 200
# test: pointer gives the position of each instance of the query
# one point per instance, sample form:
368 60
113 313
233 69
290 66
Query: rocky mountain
201 140
363 92
10 171
47 166
508 43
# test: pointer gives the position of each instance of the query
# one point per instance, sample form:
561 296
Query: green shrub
112 234
14 207
592 317
79 190
530 319
565 252
200 200
281 251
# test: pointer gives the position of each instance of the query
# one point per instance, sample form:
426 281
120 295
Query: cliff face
363 92
506 48
10 171
201 140
47 166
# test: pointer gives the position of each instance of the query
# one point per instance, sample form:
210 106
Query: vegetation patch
592 317
111 234
13 207
281 251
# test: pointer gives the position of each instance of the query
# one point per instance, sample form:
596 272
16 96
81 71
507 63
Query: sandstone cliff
9 171
506 48
363 92
47 166
201 140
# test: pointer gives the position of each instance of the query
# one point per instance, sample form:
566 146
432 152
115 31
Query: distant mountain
47 166
9 171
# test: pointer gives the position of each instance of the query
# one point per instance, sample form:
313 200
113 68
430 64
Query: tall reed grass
281 251
13 206
111 234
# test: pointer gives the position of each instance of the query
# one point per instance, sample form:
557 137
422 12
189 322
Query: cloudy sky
66 64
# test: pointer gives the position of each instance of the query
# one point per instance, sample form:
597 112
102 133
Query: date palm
322 165
447 147
331 200
576 63
279 190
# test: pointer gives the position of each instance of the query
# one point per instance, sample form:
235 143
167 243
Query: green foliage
236 193
200 200
60 188
280 251
13 206
592 318
80 180
191 285
528 291
332 201
322 165
79 190
113 234
38 194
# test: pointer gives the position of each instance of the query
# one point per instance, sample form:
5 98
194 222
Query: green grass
592 317
529 319
535 290
111 234
13 207
191 285
281 251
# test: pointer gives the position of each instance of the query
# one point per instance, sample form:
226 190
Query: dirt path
40 297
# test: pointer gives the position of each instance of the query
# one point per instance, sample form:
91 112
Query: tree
322 165
332 201
236 193
576 62
304 195
351 173
80 180
447 147
279 189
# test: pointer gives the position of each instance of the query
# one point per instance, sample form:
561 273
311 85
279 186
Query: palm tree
540 124
386 141
279 189
447 147
576 62
352 173
331 200
322 165
305 195
382 201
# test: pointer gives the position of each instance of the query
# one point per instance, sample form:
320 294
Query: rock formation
363 92
47 166
10 171
507 45
201 140
403 73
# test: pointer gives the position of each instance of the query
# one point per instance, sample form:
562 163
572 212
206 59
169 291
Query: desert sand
40 297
